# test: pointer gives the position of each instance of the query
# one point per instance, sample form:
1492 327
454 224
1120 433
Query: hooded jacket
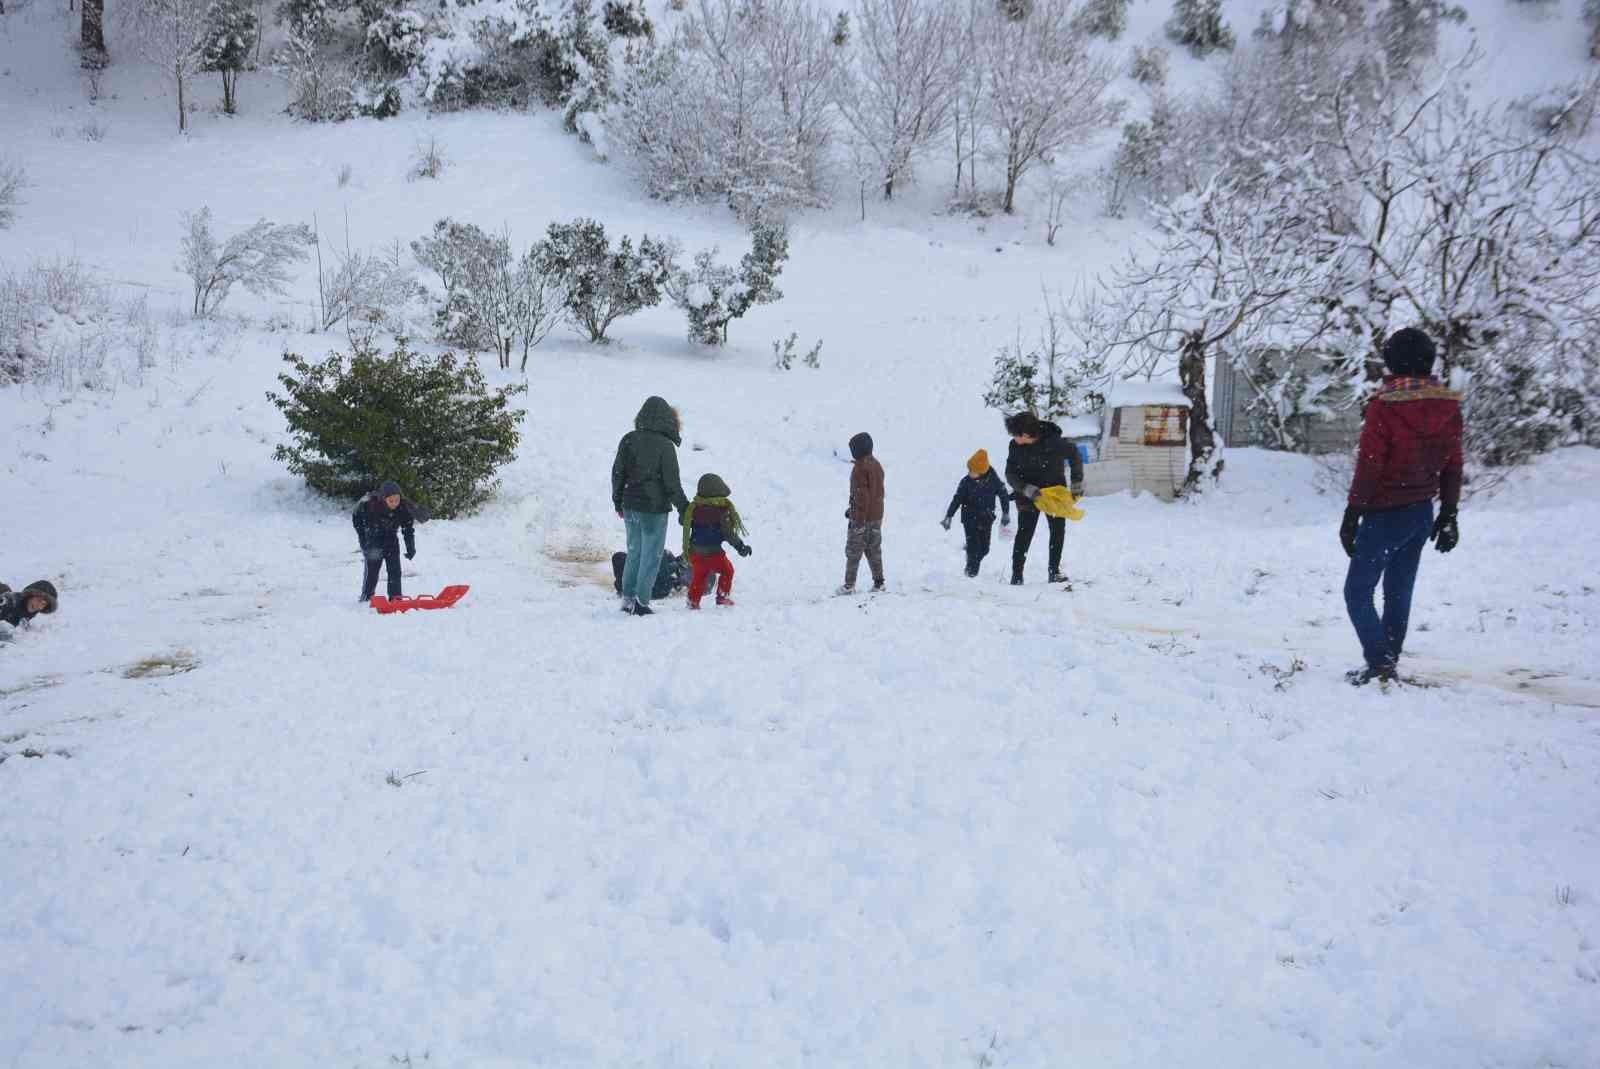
1410 448
644 476
14 603
976 499
708 521
1043 463
866 482
377 524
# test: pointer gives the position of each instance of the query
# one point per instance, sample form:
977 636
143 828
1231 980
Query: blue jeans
647 537
1388 548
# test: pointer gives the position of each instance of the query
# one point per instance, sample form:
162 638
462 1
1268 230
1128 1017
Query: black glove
945 523
1445 533
745 551
847 514
1077 489
1347 531
411 551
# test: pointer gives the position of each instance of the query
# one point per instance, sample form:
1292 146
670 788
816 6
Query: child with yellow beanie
975 498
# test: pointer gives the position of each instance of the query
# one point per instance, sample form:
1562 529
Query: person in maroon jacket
1410 453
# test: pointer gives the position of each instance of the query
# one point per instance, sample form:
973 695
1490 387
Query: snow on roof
1132 393
1080 426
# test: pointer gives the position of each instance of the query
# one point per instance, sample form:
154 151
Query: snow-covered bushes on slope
713 294
59 325
1198 25
493 298
231 32
365 291
1102 18
13 180
257 258
1148 65
1052 377
738 105
603 283
430 422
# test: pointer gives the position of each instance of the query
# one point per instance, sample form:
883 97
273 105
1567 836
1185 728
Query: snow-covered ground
1141 824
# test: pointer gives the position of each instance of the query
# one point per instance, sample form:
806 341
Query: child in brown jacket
865 515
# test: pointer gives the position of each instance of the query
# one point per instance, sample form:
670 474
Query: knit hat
1409 352
711 486
978 463
45 589
861 445
390 488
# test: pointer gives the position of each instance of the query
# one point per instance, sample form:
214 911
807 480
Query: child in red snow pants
705 566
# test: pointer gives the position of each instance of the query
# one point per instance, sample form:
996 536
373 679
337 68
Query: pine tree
231 32
1198 25
429 421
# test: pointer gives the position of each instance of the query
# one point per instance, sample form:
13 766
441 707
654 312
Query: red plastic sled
442 600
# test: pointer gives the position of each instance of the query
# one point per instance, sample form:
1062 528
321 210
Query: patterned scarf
1407 382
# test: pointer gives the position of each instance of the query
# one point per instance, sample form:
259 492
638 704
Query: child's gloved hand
945 523
411 553
745 551
1077 489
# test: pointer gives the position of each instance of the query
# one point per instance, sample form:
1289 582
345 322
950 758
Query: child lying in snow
18 607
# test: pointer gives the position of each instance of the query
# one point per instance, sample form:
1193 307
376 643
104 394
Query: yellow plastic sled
1058 501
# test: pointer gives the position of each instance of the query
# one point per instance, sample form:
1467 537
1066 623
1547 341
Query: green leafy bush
429 422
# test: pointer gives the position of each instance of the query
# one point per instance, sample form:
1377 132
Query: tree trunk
888 187
230 80
1202 440
183 111
1011 191
92 34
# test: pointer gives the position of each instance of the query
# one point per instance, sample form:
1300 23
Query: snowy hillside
248 822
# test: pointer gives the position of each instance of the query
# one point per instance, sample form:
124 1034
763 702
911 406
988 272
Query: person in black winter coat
673 576
380 518
1039 458
18 607
975 497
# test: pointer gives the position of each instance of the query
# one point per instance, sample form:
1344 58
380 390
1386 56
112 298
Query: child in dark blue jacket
975 497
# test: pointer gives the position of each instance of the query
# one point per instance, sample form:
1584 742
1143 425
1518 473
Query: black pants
391 560
979 527
1027 521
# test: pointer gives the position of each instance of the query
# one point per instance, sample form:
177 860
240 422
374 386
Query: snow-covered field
247 822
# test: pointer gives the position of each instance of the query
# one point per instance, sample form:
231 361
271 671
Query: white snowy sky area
1143 824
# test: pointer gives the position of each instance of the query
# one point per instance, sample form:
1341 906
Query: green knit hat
712 486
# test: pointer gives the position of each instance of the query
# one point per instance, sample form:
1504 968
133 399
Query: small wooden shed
1141 442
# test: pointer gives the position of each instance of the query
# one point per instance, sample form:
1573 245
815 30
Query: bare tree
1046 91
257 258
900 96
172 35
1225 274
976 18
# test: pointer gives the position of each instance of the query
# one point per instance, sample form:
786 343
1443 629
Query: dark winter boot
1360 677
1059 577
1016 575
643 610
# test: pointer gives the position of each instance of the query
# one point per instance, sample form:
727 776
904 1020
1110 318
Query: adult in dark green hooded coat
645 486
